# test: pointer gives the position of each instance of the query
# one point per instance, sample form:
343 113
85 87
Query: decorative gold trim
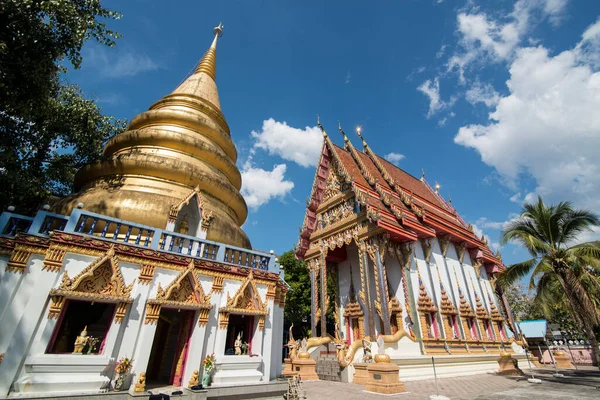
146 274
184 292
460 250
95 283
2 357
152 313
271 290
120 313
56 306
426 244
54 258
18 260
206 214
217 285
246 301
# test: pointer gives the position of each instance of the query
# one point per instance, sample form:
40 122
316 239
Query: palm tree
559 268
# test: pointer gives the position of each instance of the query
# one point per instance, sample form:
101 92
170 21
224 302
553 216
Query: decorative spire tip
218 30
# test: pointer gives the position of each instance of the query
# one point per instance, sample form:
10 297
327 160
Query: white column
134 320
213 336
257 342
268 342
142 351
9 285
31 298
277 343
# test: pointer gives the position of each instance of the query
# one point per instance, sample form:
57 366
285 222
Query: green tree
559 269
48 129
297 301
524 307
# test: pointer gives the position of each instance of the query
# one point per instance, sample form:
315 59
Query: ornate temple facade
405 265
147 260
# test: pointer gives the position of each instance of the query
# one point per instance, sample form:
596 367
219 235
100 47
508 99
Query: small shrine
146 263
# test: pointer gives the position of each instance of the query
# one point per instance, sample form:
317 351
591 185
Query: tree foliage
524 307
563 274
297 302
48 128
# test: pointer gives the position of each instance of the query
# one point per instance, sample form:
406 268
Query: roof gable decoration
101 280
446 305
185 292
425 303
206 215
246 301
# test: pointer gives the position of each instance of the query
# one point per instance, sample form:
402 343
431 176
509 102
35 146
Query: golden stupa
182 142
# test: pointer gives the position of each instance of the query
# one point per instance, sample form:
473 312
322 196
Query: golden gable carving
184 292
101 280
246 301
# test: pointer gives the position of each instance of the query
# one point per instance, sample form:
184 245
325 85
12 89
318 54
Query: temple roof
407 207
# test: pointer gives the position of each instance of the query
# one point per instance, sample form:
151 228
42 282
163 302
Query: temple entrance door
169 348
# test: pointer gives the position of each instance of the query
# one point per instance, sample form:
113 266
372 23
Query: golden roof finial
208 64
437 188
342 131
359 133
321 126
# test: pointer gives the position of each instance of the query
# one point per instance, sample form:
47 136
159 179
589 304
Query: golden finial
359 132
342 131
218 30
422 174
208 64
437 188
321 126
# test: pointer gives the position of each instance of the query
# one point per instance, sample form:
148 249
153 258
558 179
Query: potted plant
92 344
209 365
122 368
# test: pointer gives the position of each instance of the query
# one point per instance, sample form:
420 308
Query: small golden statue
292 345
81 341
184 225
238 344
193 380
140 386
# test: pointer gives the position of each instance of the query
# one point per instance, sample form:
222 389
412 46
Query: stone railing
116 230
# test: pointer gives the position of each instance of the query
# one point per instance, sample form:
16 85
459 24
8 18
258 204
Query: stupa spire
208 63
180 145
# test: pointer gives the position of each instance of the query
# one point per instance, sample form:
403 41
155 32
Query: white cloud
431 89
394 158
484 38
302 146
494 245
482 93
441 51
548 126
516 198
259 186
115 63
348 78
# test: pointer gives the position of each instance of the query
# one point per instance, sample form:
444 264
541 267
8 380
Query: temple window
94 317
472 328
453 323
488 329
432 326
242 325
394 323
501 330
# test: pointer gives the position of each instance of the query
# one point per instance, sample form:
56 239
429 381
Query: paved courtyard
575 385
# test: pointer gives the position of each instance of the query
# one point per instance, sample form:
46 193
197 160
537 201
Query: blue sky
496 100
